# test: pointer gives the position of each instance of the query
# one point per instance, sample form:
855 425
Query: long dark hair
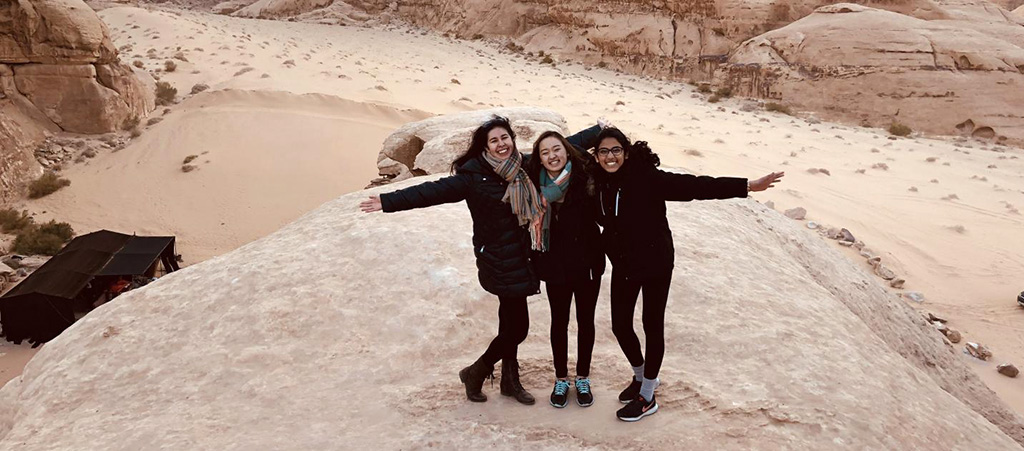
479 143
639 152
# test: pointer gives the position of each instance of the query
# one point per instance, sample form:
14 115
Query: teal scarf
552 191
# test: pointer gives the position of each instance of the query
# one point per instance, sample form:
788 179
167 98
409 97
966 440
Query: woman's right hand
371 205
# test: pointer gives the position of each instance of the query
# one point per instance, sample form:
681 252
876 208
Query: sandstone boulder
384 309
798 213
72 97
429 146
278 8
1007 369
53 32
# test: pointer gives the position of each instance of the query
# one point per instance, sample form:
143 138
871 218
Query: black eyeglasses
616 151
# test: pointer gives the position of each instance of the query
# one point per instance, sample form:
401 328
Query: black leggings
560 298
513 326
624 297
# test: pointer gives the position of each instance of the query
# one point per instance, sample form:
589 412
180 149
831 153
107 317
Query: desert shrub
899 129
46 239
46 184
724 92
778 108
547 60
12 220
187 168
189 159
130 123
477 37
170 66
714 98
704 88
165 93
602 64
138 64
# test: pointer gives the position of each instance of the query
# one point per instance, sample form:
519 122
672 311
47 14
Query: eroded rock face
59 72
429 146
384 309
878 67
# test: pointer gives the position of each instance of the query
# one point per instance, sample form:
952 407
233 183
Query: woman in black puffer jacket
632 192
505 208
574 261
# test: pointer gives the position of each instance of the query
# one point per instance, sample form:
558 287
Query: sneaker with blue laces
583 395
560 395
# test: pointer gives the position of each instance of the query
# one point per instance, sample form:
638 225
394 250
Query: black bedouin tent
69 284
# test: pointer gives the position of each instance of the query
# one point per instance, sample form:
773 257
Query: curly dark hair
479 143
639 152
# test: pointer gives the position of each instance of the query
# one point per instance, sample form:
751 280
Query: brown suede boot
473 376
510 385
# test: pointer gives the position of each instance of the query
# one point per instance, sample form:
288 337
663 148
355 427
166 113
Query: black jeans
513 326
624 297
560 298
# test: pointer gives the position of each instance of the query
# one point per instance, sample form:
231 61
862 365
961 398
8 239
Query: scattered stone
884 272
933 318
874 261
1007 369
897 283
832 233
914 296
845 235
812 225
953 335
858 245
798 213
200 87
978 351
770 204
846 243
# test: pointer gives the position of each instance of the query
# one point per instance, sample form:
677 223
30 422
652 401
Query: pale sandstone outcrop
876 67
356 336
429 146
280 8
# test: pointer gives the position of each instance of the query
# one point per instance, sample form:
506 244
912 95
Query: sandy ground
306 122
13 359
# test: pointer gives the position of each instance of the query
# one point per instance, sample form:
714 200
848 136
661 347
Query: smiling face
552 155
499 143
610 155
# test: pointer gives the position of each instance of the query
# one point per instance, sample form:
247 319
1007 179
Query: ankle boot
510 385
473 376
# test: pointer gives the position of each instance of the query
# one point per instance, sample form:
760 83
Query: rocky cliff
59 71
775 341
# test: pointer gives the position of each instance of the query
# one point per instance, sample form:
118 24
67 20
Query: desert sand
295 115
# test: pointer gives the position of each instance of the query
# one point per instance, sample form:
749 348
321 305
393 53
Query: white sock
638 373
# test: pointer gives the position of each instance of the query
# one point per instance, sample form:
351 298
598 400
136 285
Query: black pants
513 326
624 297
560 298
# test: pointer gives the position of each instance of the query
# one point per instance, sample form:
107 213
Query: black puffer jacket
501 245
574 243
631 208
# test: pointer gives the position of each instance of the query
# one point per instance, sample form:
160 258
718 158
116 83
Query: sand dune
262 160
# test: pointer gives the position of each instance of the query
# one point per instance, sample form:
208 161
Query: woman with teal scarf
571 261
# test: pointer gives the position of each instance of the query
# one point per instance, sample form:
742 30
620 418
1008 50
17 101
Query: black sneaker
560 395
631 392
583 395
638 409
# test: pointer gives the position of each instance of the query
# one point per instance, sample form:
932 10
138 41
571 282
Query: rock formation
429 146
59 72
358 332
876 67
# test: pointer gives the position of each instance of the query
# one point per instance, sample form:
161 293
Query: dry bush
714 98
45 239
170 66
189 159
130 123
165 93
899 129
11 221
724 92
46 184
138 64
547 60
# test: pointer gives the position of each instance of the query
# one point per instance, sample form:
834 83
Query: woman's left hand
765 182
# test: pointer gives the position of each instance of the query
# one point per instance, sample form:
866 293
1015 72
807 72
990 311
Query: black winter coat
501 245
574 243
631 208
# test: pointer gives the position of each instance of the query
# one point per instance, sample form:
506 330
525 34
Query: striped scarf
526 203
552 191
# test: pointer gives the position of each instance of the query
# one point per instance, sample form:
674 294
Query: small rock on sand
953 335
845 235
770 204
933 318
884 272
914 296
798 213
874 261
1007 369
897 283
812 225
978 351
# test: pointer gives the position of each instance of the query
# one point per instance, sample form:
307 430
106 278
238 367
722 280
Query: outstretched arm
686 187
446 190
586 138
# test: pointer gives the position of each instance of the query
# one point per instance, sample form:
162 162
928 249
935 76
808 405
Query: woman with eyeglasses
574 262
632 192
507 224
